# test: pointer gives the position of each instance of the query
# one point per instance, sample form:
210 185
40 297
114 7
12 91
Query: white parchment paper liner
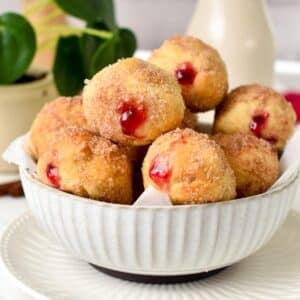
17 153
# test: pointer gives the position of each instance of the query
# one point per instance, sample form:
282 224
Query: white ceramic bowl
172 240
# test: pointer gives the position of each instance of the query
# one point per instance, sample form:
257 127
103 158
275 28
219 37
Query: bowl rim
289 181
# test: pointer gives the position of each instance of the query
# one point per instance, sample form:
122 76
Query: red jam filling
132 116
185 73
52 175
160 171
259 122
294 99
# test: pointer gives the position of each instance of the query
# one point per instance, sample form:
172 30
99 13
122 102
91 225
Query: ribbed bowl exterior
159 240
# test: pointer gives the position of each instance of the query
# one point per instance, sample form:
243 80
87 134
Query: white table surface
288 77
10 208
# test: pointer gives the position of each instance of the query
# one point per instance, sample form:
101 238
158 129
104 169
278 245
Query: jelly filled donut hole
87 165
197 67
254 162
59 113
132 102
257 110
190 167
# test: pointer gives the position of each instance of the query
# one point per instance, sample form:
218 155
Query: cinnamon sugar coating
236 113
148 89
254 162
210 83
197 169
87 165
59 113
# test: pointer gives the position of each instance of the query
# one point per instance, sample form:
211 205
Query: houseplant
79 53
22 91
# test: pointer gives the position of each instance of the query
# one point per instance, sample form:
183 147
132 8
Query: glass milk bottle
241 31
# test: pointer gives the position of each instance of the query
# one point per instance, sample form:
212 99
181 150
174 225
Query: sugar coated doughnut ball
132 102
62 112
198 68
258 110
87 165
190 167
254 162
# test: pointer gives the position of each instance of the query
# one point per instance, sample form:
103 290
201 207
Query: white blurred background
172 16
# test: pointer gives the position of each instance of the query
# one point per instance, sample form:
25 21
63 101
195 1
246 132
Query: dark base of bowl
152 279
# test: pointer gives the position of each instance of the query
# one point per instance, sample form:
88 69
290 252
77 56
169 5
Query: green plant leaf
17 47
90 10
127 43
105 55
68 67
89 44
122 44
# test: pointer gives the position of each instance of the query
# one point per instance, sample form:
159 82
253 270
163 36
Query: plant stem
47 44
96 32
66 29
49 17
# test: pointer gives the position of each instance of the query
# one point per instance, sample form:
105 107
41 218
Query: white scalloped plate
45 271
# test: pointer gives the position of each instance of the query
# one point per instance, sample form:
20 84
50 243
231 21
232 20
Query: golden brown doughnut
258 110
132 102
190 167
254 162
59 113
198 68
87 165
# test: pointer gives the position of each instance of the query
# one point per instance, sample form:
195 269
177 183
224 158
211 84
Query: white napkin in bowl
16 153
153 197
290 159
291 153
